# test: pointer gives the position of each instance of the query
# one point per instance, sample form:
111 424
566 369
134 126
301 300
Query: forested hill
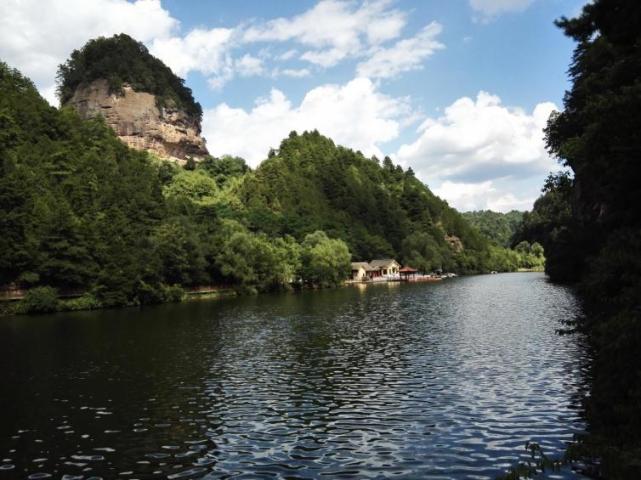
376 207
498 227
82 212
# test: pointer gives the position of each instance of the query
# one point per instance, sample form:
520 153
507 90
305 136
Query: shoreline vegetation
81 211
589 223
41 300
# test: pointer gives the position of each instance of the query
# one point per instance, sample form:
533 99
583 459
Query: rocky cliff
139 121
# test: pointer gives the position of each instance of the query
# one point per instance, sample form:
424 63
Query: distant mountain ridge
498 227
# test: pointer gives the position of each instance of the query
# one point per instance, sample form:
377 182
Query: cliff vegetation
122 60
589 221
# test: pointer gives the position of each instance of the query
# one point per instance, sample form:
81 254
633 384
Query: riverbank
46 300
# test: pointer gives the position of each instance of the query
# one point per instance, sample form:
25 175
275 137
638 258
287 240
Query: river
444 380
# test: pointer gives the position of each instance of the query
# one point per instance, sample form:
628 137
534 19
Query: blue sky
457 90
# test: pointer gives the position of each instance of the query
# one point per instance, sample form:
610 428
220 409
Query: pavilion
407 273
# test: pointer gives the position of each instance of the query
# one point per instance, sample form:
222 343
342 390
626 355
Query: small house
361 271
387 267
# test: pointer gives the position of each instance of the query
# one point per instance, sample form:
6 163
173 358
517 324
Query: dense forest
121 59
498 227
589 221
81 213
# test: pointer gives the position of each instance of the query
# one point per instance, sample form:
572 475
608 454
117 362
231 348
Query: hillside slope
376 207
498 227
83 213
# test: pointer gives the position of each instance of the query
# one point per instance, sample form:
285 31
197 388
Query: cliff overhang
141 122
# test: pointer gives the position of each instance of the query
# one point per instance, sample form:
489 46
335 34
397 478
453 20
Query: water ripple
413 381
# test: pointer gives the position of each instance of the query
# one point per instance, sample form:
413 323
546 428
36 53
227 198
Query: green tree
179 251
589 224
224 169
325 261
195 186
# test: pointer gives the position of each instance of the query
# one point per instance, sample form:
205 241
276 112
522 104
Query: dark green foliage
498 227
39 300
78 207
81 212
552 225
121 59
87 301
324 261
254 261
180 254
311 184
224 169
590 224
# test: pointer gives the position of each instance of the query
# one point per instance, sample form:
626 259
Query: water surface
443 380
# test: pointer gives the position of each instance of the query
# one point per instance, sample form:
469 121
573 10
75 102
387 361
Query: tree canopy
82 212
589 221
121 59
498 227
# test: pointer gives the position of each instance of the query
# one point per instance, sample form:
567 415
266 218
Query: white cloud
37 35
210 53
480 141
202 50
333 29
489 9
248 66
480 138
482 196
293 72
407 54
288 55
326 58
355 115
330 32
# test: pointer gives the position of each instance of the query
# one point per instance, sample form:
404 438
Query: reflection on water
442 380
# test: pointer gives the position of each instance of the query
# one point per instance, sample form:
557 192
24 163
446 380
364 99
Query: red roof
407 270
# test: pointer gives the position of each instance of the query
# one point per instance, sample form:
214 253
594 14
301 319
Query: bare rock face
168 132
455 243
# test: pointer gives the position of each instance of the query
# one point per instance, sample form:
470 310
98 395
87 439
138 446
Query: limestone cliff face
455 243
134 116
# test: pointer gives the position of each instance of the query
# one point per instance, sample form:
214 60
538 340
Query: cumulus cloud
333 29
328 33
489 9
355 114
248 66
480 141
404 55
474 136
483 196
37 35
203 50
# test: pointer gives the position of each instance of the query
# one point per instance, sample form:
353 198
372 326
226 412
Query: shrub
40 300
148 294
173 293
85 302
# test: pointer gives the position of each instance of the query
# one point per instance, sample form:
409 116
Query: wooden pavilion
407 273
